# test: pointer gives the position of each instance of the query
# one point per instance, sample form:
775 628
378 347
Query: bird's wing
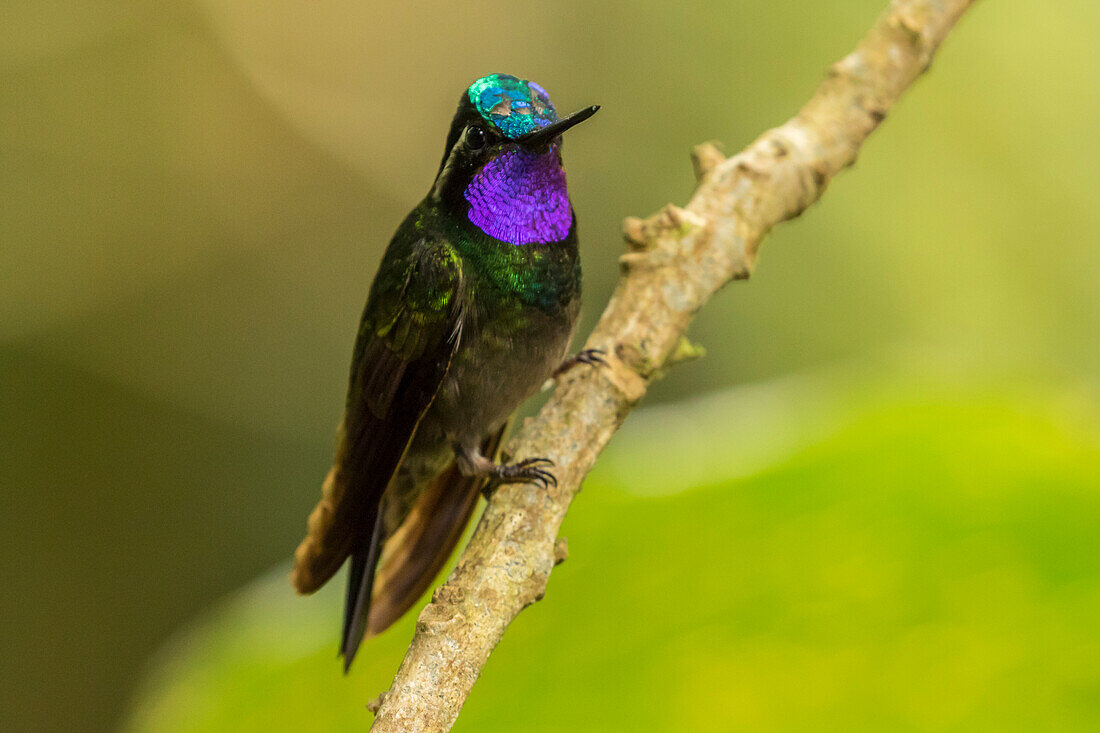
410 329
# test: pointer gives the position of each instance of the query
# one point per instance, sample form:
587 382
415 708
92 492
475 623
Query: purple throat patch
519 197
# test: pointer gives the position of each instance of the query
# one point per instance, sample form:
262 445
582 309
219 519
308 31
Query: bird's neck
520 198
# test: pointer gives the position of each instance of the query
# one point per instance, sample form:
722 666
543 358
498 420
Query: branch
677 259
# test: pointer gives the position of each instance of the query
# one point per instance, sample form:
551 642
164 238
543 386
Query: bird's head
502 164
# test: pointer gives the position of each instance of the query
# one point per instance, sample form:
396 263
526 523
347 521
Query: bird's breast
502 360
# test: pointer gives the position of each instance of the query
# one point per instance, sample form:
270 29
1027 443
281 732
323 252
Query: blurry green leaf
930 563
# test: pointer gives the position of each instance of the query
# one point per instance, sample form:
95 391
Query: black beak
544 135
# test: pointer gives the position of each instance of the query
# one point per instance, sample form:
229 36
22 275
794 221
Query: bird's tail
323 550
411 557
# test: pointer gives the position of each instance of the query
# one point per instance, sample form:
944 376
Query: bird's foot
527 471
592 357
530 470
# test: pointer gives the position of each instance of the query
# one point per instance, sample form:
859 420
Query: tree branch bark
677 259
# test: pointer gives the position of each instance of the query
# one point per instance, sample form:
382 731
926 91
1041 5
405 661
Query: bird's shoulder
417 292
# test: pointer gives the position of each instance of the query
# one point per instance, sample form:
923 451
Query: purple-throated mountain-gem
473 308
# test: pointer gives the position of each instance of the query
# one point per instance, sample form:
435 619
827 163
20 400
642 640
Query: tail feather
357 603
416 553
323 550
388 575
413 556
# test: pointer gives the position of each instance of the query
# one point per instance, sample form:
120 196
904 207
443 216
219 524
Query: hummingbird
472 309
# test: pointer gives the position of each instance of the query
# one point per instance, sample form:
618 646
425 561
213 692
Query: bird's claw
592 357
527 471
530 471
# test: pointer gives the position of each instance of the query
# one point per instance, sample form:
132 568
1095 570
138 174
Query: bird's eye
476 139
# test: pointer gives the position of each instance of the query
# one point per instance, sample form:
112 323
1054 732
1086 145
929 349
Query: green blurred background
874 505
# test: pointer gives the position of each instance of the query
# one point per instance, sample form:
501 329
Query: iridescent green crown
514 106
